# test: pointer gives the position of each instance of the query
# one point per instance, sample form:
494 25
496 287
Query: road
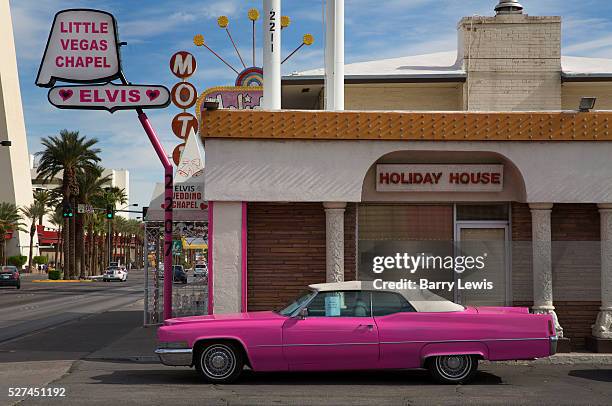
90 354
40 305
122 383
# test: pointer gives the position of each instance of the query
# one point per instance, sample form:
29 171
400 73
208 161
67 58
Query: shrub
55 275
40 260
17 260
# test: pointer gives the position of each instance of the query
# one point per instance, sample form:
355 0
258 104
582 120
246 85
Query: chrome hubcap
218 361
454 367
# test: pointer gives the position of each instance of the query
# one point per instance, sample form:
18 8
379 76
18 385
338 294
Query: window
340 304
384 303
484 212
289 309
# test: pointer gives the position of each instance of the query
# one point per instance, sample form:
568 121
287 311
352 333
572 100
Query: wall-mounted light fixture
587 104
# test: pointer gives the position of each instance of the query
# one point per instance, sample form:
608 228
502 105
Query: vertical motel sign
83 48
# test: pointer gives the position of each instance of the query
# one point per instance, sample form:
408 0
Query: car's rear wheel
453 369
219 362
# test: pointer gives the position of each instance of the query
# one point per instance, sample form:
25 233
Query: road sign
183 124
184 95
84 208
110 97
82 48
183 64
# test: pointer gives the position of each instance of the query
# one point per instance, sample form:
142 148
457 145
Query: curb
142 359
60 281
562 359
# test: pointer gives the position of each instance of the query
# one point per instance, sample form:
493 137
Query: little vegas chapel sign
83 47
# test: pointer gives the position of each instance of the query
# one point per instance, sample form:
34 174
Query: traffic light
67 210
110 212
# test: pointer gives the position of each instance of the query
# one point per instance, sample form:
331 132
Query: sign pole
168 191
97 64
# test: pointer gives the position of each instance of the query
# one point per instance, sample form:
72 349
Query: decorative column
334 241
603 326
542 262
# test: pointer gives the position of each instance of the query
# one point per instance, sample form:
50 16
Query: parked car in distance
9 276
114 274
179 274
352 326
201 271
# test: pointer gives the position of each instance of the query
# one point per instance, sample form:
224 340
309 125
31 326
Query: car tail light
16 275
551 330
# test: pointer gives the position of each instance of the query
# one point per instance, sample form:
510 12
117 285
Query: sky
155 29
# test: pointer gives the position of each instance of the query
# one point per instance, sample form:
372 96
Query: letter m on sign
183 64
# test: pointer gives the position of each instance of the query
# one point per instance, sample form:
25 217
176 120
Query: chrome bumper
175 357
553 344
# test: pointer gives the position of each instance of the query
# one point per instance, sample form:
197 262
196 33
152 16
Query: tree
33 212
91 185
57 220
68 154
47 199
10 221
111 197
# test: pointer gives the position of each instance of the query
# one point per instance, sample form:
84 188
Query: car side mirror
303 313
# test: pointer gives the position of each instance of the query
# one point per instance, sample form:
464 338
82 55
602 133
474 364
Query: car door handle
369 326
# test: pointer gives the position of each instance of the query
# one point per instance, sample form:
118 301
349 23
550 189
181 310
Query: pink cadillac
351 325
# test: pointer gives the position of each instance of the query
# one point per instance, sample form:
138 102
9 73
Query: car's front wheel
453 369
219 362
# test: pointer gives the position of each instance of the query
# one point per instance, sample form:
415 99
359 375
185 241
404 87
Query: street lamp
6 143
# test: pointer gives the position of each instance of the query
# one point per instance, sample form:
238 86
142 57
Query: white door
489 286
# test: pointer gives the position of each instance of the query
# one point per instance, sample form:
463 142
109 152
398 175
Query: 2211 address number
37 392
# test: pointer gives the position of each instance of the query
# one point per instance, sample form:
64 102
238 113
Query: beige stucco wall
15 183
404 96
319 171
573 91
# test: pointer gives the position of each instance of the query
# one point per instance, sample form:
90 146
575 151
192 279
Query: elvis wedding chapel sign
83 48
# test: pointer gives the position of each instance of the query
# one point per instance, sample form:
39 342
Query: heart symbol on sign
65 94
152 94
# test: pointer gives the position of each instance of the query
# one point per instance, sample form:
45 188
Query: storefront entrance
448 239
484 238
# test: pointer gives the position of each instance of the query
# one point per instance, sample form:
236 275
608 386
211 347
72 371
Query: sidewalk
139 346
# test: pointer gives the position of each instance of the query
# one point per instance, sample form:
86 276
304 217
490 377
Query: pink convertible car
351 326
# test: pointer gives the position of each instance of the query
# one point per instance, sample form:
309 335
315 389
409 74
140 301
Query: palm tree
68 154
10 221
111 197
57 219
33 212
91 184
47 199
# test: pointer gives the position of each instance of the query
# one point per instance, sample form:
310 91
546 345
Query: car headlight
174 344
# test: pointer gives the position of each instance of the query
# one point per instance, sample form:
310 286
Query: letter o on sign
183 64
184 95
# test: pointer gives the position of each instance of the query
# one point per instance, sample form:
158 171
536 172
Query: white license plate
5 276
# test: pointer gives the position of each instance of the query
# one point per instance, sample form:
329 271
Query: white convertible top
421 299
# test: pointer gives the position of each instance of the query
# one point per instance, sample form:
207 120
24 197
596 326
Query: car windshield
9 269
289 309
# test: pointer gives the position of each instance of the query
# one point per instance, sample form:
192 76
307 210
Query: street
87 338
39 305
